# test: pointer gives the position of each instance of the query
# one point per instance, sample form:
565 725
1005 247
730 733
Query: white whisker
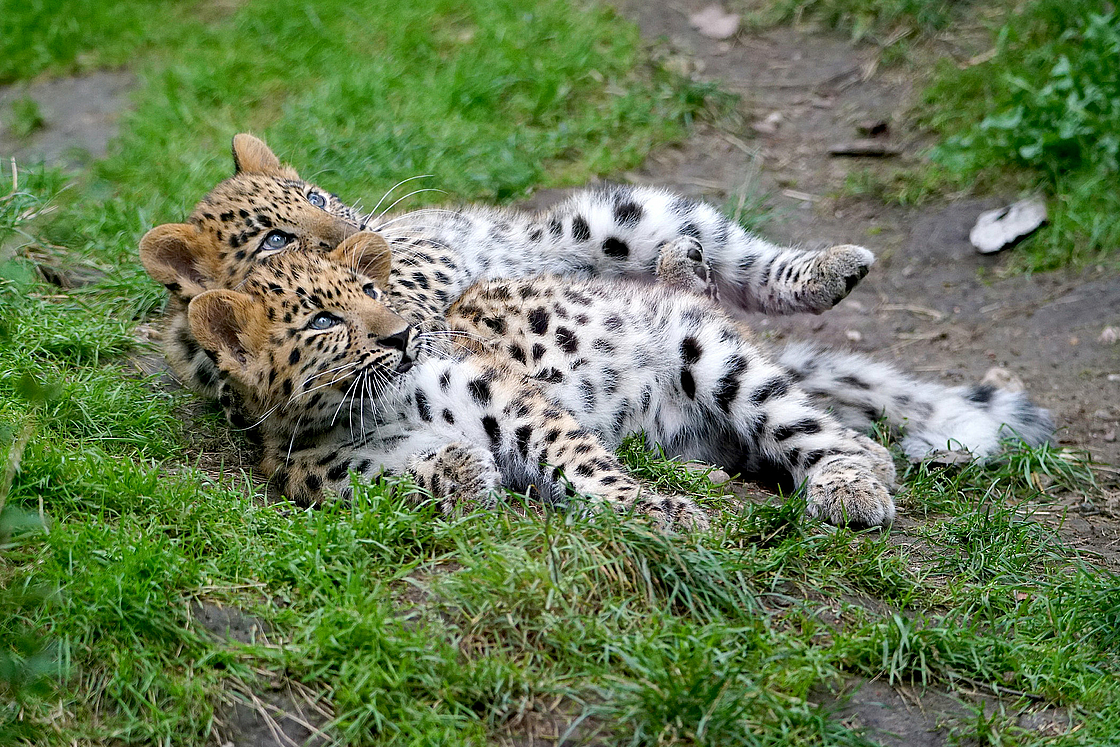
410 194
394 189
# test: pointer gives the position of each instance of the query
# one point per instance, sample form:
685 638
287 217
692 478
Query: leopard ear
230 324
177 255
366 252
252 156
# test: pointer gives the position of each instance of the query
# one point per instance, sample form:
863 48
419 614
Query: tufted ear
177 255
252 156
230 324
366 252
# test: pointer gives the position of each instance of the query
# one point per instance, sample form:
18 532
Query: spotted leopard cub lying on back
342 383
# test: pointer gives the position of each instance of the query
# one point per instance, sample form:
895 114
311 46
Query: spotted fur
338 383
861 391
612 232
577 365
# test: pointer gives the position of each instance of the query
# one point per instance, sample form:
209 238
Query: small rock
1074 340
854 335
1110 436
678 64
1001 378
1102 414
996 229
1109 336
715 23
769 125
1114 377
719 477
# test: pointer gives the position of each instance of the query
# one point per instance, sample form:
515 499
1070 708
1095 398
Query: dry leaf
996 229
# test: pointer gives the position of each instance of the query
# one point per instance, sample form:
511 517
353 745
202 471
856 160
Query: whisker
413 214
292 443
410 194
311 378
394 189
342 402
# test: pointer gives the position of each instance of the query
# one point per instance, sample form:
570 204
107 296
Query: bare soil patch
79 118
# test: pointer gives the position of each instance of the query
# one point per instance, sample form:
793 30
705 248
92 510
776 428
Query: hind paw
845 491
681 264
672 512
835 272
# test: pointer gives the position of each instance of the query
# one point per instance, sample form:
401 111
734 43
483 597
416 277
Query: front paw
835 273
672 512
459 476
878 456
844 491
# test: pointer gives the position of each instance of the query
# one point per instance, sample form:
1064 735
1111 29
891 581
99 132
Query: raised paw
681 264
835 272
672 512
846 491
458 476
879 457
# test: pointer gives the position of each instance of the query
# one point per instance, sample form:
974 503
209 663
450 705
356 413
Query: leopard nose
398 341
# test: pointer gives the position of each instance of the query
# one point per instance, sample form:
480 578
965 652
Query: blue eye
323 320
278 239
317 200
371 290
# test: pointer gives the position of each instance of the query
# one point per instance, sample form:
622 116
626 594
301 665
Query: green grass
1046 107
883 22
412 629
1037 112
71 36
24 118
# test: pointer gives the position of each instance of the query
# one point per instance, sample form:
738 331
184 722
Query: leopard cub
560 371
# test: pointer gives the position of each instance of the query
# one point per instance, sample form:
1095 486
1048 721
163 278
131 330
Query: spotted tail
861 391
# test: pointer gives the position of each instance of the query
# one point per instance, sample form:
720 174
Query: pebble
1109 336
854 335
1110 436
769 125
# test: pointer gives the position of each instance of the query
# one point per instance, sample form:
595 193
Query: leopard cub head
307 339
262 210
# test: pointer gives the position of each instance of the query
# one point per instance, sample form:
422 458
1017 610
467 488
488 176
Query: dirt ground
931 304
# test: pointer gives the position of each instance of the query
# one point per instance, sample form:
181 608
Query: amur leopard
342 384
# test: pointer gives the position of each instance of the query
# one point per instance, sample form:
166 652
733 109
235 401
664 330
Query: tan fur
229 323
267 327
251 155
